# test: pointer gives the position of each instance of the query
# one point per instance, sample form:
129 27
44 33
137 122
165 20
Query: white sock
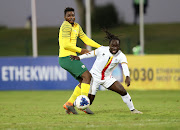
128 101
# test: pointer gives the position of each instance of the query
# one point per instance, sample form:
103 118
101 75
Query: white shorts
95 83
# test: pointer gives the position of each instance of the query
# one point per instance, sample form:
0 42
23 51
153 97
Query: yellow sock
85 89
76 93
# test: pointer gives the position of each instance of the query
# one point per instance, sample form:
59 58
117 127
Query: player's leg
113 85
118 88
75 69
91 98
93 88
76 93
69 104
79 71
85 85
92 92
94 85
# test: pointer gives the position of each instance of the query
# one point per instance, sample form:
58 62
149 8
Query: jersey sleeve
81 33
87 40
66 31
66 35
87 55
90 54
125 68
96 51
123 58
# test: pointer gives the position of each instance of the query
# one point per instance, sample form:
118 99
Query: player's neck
72 24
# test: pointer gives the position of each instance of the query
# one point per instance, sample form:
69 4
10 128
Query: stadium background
151 74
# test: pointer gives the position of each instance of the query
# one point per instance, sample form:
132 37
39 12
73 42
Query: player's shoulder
103 48
122 55
66 24
76 24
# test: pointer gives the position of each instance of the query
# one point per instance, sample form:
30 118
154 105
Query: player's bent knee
86 77
123 92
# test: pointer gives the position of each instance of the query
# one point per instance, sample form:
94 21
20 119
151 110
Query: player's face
114 46
70 17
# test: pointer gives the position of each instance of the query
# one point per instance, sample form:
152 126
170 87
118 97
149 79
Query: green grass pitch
43 110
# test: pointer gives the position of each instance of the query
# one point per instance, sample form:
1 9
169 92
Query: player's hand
128 80
74 57
84 51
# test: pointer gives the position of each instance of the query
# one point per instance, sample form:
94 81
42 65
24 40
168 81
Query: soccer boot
87 111
135 111
69 108
68 111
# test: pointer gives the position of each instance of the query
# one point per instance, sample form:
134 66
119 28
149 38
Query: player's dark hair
68 9
110 36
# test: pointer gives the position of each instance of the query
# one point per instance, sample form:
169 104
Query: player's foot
69 108
87 111
135 111
68 111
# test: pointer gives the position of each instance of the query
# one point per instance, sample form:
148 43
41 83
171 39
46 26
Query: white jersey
105 62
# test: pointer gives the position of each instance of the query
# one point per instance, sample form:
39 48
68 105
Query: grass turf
43 110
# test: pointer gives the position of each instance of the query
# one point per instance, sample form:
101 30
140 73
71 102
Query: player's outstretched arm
87 40
84 51
84 56
74 57
90 42
87 55
126 73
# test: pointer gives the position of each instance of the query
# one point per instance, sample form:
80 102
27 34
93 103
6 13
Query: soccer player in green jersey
68 33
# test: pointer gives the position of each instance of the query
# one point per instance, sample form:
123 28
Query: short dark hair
110 36
68 9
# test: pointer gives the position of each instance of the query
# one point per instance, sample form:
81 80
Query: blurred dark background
162 25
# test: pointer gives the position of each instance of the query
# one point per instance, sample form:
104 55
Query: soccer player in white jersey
107 58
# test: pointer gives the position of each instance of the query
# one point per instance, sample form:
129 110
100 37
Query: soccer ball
82 102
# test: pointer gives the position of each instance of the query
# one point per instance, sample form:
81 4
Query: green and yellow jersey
68 38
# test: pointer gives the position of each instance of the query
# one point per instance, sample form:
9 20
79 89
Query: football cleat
69 108
87 111
68 111
135 111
